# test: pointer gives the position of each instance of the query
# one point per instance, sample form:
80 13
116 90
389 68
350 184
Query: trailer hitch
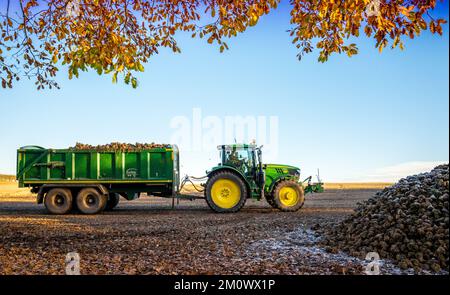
191 180
188 179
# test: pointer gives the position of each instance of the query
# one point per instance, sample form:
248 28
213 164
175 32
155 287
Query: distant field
7 178
9 192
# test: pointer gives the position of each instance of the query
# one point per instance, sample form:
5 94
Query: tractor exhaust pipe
261 174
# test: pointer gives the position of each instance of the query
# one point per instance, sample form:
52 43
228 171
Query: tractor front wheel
225 192
288 196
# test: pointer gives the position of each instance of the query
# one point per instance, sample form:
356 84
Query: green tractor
242 174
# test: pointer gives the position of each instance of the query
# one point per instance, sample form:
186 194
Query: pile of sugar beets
406 223
119 146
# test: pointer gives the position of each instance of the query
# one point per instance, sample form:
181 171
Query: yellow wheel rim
225 193
288 196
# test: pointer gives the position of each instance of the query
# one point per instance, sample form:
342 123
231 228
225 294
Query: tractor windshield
239 158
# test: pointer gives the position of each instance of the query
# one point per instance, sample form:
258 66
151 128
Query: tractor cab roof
230 147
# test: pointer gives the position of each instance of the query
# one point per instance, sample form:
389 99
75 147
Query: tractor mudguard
277 180
222 168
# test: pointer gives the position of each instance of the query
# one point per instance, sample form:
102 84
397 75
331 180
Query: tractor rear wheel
288 196
225 192
58 201
113 201
90 201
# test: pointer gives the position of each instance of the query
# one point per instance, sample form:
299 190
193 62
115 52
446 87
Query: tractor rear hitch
316 187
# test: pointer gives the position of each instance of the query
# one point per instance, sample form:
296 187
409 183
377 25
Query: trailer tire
234 192
91 201
58 201
113 201
288 196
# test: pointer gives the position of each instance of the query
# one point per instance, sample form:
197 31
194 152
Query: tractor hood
282 169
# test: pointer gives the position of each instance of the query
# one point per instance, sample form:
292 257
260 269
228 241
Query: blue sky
372 117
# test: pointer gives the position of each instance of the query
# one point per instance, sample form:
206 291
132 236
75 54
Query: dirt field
147 237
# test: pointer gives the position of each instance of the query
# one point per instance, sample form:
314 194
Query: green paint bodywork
155 171
273 173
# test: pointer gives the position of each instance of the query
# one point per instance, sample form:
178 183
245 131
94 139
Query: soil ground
146 236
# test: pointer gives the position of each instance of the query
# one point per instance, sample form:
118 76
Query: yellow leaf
253 20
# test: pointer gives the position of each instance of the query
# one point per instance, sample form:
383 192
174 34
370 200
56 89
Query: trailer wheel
113 201
58 201
90 201
225 192
288 196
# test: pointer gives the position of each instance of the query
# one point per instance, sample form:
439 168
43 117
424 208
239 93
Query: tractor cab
247 159
242 157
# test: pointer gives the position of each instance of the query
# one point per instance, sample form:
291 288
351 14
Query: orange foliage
118 37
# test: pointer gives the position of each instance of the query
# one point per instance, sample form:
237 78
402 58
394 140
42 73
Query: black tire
229 177
113 201
90 201
281 201
58 201
270 201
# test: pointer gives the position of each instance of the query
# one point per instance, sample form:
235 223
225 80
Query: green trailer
93 180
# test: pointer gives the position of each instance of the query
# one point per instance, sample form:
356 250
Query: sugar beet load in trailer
93 179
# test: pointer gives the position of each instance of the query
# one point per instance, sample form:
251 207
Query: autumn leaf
120 36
